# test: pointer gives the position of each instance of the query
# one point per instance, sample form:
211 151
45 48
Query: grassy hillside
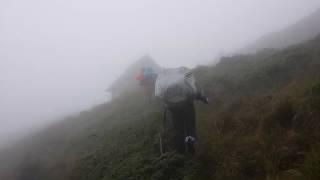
262 123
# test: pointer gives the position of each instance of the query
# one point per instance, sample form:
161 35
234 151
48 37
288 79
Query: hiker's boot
189 140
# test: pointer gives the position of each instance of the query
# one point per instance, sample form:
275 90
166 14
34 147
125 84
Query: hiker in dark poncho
177 90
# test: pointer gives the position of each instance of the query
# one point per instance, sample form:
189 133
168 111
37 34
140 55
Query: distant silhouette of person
147 78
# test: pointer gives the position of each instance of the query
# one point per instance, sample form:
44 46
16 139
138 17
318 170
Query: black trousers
183 121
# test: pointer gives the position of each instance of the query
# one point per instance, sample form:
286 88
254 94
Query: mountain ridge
303 30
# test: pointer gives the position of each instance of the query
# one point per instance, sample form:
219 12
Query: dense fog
58 57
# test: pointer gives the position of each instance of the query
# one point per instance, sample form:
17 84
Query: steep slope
262 123
299 32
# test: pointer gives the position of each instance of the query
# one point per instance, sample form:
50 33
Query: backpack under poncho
175 86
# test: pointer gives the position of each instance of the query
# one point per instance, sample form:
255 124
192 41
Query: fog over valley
58 57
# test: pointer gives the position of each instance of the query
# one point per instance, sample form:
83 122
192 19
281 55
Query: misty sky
58 56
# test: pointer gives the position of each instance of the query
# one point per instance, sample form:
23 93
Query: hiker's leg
189 117
178 128
190 121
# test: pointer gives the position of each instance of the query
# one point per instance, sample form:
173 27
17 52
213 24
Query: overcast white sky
58 56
